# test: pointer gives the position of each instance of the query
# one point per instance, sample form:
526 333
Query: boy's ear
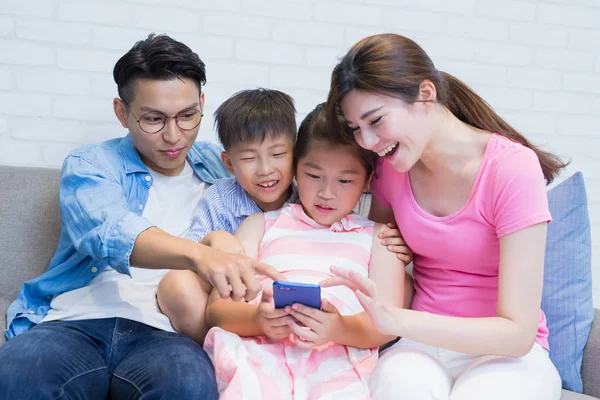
227 162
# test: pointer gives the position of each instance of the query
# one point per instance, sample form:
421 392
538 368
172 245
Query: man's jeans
96 359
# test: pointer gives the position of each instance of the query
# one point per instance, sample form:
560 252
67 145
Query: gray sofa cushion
4 303
566 395
590 370
30 225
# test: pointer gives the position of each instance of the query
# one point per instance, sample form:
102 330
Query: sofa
30 228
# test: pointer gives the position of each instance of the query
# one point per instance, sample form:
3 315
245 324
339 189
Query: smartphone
288 293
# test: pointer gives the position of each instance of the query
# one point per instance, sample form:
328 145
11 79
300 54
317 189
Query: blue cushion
567 296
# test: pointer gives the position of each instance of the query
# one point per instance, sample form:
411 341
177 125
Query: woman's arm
511 333
388 272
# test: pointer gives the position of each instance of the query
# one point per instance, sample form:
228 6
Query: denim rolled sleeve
97 216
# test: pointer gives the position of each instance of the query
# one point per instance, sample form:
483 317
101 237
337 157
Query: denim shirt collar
132 162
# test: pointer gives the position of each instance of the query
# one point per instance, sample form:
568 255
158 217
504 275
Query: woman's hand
392 239
273 322
314 327
385 316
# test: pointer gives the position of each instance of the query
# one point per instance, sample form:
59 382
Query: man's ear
227 162
120 111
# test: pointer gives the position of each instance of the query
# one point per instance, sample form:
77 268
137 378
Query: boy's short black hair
157 57
253 115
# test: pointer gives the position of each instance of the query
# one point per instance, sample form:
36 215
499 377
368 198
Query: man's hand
234 275
223 241
273 322
392 238
316 327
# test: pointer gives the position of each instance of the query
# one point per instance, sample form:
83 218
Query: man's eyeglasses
154 121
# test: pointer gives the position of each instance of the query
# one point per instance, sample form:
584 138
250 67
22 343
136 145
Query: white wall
536 62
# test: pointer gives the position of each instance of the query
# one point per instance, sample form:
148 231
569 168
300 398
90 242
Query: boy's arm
211 225
209 215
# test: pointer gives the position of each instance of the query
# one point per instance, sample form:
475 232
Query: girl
467 191
298 352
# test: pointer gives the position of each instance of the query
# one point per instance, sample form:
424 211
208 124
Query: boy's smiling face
264 169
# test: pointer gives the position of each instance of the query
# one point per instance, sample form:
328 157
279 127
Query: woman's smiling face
387 126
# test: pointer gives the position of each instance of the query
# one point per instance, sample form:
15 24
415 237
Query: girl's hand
273 322
319 326
394 242
385 316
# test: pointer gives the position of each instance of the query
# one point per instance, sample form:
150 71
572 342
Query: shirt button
140 207
147 178
94 270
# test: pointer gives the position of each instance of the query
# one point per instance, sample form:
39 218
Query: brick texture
537 62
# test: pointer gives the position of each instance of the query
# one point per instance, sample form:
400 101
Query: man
90 326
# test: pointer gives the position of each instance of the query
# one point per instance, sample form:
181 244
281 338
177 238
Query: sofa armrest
590 369
4 303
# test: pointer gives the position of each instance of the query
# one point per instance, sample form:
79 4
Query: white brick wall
536 61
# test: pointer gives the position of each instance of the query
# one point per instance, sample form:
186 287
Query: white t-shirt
171 202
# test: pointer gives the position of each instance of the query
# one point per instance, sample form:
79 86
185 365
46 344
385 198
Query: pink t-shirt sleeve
378 184
520 198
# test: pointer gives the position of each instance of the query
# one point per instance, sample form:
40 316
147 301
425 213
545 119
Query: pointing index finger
268 271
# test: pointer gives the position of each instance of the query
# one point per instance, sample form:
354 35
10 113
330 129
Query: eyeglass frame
165 120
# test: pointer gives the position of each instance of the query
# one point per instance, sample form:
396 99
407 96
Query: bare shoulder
252 223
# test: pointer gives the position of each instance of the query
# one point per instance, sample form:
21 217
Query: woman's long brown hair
394 65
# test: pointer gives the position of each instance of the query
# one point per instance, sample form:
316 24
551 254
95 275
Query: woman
467 191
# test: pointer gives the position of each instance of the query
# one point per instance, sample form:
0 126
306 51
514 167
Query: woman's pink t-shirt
457 257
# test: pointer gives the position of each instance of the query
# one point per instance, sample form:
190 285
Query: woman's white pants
410 370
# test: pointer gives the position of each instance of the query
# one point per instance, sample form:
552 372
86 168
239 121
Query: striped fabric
253 367
224 207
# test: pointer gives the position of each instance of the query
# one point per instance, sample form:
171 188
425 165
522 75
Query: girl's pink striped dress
253 367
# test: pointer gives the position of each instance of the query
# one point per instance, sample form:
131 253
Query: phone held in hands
288 293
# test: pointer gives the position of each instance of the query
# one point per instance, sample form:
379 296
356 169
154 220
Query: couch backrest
29 224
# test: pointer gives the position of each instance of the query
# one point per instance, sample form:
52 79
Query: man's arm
95 213
99 223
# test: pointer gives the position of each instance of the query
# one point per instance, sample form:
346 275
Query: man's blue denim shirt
103 191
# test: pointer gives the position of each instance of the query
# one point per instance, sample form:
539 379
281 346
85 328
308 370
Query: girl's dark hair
394 65
157 57
314 128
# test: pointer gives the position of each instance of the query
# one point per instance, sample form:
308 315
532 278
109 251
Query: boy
257 129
